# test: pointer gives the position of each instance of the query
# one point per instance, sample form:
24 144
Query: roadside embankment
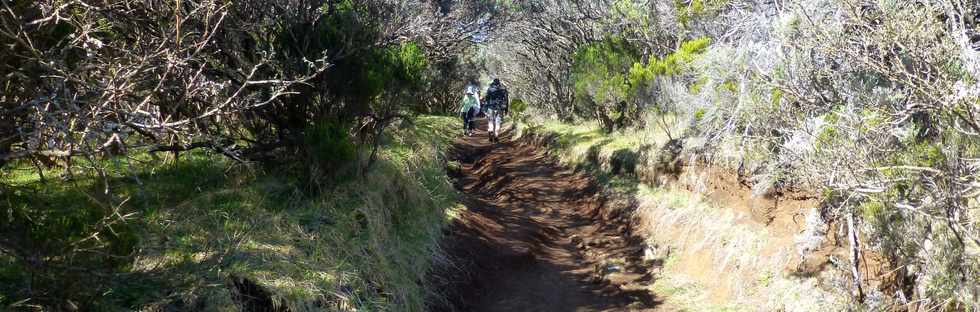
205 233
720 245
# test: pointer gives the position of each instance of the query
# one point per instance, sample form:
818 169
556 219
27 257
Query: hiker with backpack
468 109
495 107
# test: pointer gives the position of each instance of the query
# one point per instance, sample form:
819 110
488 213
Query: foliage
688 10
518 108
97 94
599 73
366 76
643 78
872 101
330 149
671 65
674 62
612 84
241 78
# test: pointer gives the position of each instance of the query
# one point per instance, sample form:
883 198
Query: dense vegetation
193 154
167 154
871 104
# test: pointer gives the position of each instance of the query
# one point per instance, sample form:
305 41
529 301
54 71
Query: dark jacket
497 97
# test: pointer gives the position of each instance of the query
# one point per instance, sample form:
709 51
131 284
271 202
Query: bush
689 10
518 107
330 149
874 102
600 79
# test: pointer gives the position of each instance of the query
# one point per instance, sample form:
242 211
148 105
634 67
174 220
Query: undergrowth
187 229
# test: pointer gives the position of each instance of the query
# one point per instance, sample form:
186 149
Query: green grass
575 141
191 226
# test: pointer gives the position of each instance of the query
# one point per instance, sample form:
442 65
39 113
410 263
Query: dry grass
719 259
722 256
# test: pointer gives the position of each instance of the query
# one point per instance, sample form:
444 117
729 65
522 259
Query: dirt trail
538 237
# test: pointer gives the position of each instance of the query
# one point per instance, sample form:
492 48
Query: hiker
469 108
496 104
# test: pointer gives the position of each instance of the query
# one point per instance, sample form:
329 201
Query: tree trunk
608 125
855 257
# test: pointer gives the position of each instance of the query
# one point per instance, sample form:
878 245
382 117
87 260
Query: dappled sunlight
741 268
536 236
490 155
301 249
714 256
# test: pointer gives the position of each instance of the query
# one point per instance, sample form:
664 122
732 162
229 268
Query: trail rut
539 237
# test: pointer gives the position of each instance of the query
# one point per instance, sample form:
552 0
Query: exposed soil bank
538 237
722 246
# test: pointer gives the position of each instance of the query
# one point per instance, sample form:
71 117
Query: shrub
688 10
698 114
330 148
600 78
518 107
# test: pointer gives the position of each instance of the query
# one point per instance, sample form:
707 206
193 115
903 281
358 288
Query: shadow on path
532 239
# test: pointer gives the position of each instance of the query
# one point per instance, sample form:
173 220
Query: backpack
497 98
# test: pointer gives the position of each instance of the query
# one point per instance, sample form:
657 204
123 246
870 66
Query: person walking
468 109
496 104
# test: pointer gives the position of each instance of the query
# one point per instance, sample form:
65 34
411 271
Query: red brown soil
783 211
783 214
538 237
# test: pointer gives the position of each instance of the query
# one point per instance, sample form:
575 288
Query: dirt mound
537 237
